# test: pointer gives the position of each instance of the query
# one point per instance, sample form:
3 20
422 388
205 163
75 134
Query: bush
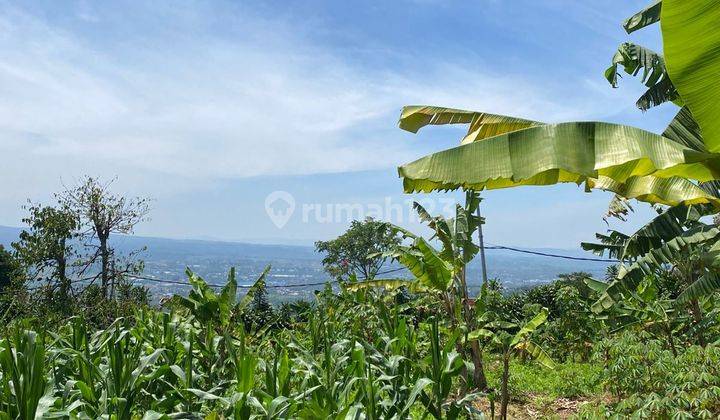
647 381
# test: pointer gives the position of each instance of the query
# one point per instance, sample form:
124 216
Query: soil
537 407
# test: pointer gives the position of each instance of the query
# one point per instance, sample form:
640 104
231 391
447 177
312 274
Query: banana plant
500 151
510 344
503 151
687 75
442 272
217 309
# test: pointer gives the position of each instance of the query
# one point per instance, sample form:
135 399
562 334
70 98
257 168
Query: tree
46 248
9 269
359 251
103 214
259 312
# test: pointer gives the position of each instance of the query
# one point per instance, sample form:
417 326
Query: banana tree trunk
482 247
505 396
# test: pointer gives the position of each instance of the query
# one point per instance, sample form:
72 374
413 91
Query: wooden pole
482 247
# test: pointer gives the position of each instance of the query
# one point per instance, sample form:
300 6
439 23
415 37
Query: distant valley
167 259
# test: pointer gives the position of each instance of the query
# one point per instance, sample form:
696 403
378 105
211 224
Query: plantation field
358 354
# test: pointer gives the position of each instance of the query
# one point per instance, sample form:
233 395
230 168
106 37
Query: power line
567 257
241 286
391 271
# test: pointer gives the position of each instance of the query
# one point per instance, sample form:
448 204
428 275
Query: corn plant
24 381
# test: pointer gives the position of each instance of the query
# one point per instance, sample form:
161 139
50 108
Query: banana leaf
549 154
630 276
537 353
707 284
685 130
691 42
387 284
671 191
482 124
643 18
634 59
530 326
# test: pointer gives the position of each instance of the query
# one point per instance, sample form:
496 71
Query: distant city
167 259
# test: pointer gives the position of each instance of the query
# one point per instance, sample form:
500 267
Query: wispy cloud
175 96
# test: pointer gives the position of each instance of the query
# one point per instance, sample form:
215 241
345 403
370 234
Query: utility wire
390 271
567 257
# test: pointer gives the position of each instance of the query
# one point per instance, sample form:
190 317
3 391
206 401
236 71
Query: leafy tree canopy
359 250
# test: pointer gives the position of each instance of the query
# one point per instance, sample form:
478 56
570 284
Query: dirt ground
538 407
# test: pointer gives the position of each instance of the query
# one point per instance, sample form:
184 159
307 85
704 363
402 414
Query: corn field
350 356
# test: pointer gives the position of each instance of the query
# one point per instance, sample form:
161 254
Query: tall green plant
24 381
510 344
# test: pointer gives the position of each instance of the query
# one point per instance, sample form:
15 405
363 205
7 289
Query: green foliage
24 381
46 249
567 380
9 269
359 251
648 381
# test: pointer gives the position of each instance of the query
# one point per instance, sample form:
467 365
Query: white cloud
179 106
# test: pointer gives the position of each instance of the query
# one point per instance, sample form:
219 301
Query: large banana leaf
691 43
630 276
423 261
663 228
549 154
671 191
685 130
482 125
668 251
707 284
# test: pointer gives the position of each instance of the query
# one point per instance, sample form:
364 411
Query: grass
539 392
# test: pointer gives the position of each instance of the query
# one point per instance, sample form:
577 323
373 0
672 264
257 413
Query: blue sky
208 107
